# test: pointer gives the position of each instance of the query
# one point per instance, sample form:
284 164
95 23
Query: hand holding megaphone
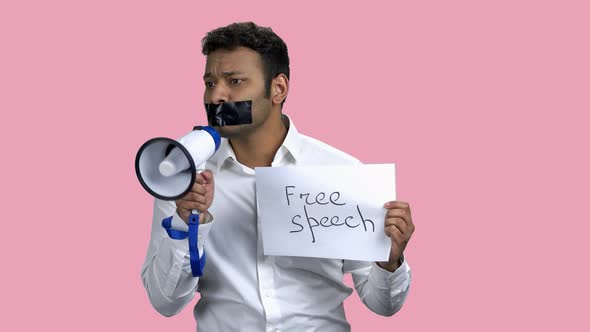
199 198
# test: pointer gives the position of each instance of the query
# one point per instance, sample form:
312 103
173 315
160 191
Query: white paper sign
325 211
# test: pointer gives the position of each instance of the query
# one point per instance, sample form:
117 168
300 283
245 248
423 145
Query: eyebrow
225 73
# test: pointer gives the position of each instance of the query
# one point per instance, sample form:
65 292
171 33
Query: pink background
482 105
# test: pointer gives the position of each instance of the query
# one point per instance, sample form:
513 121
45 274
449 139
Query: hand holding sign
399 227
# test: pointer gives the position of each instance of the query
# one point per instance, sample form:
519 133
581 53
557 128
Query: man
242 289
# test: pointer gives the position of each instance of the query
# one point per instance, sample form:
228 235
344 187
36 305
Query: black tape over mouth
229 114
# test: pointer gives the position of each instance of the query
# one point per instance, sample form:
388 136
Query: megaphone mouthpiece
174 163
167 168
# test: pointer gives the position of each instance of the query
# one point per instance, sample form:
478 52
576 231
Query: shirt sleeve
383 292
166 271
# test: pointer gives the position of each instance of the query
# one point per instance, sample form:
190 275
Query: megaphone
167 168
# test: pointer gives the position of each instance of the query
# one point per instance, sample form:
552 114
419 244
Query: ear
279 89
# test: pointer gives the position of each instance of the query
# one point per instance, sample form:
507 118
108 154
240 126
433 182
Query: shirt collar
291 144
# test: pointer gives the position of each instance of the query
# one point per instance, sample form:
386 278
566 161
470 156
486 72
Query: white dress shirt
241 288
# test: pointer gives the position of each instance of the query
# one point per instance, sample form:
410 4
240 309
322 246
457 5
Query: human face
237 75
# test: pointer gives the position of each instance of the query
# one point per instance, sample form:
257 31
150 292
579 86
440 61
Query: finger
199 189
399 223
200 179
394 233
207 176
397 205
194 197
201 207
186 203
196 189
401 214
397 213
397 239
191 205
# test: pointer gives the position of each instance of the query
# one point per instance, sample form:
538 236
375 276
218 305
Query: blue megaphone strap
197 262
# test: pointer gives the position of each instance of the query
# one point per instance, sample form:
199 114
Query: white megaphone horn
167 168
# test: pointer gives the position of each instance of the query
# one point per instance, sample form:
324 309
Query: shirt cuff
384 279
177 223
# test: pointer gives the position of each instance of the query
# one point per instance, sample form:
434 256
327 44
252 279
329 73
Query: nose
219 94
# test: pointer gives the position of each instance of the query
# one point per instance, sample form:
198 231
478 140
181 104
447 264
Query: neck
259 148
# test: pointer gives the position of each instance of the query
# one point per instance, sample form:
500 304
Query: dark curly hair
264 41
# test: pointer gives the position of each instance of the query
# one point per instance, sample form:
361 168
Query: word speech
350 221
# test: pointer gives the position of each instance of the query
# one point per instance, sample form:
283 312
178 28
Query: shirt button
268 293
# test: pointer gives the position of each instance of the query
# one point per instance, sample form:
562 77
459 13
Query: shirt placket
267 287
265 267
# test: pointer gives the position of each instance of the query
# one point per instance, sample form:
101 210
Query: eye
209 84
236 81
